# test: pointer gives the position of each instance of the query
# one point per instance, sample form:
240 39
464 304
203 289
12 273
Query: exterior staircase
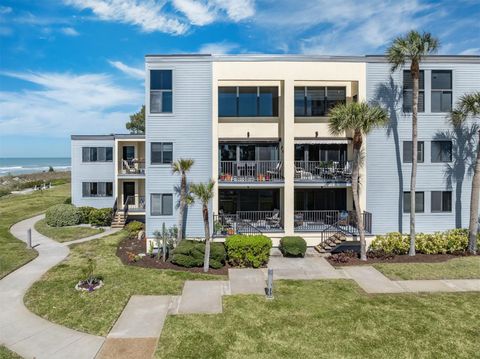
119 220
331 242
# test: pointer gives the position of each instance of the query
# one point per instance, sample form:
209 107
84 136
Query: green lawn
65 234
328 319
7 354
54 296
457 268
14 208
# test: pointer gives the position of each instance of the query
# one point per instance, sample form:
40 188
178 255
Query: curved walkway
24 332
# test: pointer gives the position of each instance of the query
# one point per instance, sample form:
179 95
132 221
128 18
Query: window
97 189
441 151
317 101
407 151
161 152
161 91
97 154
248 101
441 201
419 202
408 92
441 90
161 204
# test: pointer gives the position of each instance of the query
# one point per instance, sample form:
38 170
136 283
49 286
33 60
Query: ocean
20 166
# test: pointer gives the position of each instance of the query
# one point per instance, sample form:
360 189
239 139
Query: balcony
323 171
250 171
321 221
247 222
132 167
133 204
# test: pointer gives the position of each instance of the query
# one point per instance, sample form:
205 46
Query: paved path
310 267
24 332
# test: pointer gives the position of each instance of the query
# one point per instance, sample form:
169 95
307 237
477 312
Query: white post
29 238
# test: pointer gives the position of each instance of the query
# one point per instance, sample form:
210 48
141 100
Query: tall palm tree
182 166
468 106
412 48
360 118
204 193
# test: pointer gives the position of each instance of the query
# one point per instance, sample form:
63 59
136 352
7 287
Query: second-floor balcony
250 171
132 167
323 171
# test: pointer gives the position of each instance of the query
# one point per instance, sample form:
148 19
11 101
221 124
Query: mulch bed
418 258
136 246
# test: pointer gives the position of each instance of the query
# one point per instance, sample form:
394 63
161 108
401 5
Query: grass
457 268
14 208
66 234
328 319
7 354
54 296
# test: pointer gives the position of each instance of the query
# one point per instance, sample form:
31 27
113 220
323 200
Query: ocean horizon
26 165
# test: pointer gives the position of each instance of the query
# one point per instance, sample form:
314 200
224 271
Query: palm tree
412 48
182 166
469 106
360 118
204 193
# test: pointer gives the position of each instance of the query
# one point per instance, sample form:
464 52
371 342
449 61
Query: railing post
29 238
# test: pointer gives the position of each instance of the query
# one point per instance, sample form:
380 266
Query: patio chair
275 173
127 167
274 220
302 174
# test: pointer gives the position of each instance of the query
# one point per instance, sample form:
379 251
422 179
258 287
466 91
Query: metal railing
250 171
134 203
247 222
132 167
319 221
323 171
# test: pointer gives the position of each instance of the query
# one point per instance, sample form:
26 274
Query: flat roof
108 137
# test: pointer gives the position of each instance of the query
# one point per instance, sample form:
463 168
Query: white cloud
217 48
66 103
203 12
149 15
236 10
199 13
128 70
5 10
69 31
471 51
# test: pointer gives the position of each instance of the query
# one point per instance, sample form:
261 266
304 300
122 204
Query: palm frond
467 106
204 192
182 165
356 116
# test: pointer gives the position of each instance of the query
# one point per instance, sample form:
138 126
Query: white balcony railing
250 171
323 171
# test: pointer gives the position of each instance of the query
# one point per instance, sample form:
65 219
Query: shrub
101 217
68 200
191 254
85 212
293 246
248 251
133 228
457 240
62 215
394 242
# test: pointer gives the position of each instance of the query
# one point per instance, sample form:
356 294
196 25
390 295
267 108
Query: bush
68 200
101 217
62 215
133 228
394 242
293 246
191 254
85 212
248 251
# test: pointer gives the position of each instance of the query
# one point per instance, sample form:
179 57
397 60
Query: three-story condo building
258 126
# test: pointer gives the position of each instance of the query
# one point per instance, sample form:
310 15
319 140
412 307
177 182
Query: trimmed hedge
85 212
191 254
452 241
101 217
293 246
62 215
248 251
133 228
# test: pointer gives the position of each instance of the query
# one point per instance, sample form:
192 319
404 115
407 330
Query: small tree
467 107
361 119
204 193
182 166
161 239
136 124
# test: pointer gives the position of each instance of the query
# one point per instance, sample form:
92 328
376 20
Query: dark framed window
97 154
441 201
161 153
97 189
441 151
247 101
161 204
317 101
161 93
419 202
407 151
408 91
441 90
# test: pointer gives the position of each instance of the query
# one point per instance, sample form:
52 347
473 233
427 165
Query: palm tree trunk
357 146
473 227
415 71
181 209
206 260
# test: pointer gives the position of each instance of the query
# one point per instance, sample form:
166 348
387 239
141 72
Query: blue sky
76 66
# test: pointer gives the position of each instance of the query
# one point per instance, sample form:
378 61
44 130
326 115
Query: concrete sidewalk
24 332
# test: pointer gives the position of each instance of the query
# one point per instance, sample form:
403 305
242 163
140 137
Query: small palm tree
412 48
360 118
204 193
468 106
182 166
